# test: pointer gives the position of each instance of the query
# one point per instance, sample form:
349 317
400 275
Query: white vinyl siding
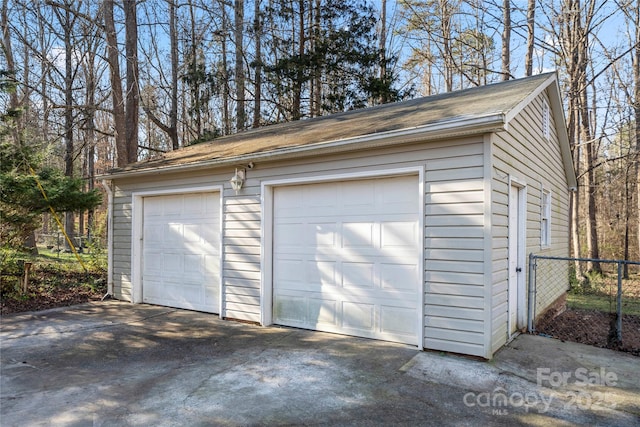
241 273
454 243
512 154
122 246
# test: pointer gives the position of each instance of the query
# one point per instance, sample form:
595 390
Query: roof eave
441 130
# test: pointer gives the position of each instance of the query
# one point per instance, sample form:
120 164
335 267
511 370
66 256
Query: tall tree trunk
506 40
636 112
582 29
445 26
173 115
196 108
90 129
26 73
316 109
297 86
226 119
119 119
66 21
241 117
382 47
257 33
531 14
14 103
133 91
628 198
44 70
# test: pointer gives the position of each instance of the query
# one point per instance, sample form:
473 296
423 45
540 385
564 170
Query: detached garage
407 222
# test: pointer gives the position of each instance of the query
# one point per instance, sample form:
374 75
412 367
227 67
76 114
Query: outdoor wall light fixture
237 180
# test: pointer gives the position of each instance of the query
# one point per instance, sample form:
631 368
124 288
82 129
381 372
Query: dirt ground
593 328
68 290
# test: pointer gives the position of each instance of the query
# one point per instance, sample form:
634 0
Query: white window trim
545 218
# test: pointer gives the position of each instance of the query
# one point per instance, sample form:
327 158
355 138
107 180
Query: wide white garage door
346 258
181 251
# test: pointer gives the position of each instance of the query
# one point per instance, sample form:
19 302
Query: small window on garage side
546 120
545 219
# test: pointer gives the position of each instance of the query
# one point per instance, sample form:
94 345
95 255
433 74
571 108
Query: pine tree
27 189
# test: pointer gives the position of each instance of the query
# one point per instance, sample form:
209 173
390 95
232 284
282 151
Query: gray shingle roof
484 101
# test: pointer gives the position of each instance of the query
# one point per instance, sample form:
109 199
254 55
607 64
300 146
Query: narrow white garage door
181 251
346 257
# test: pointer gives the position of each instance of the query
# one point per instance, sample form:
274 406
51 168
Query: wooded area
90 85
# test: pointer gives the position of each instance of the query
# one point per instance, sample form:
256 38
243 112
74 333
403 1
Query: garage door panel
171 205
323 311
350 264
358 198
287 235
323 234
154 287
358 315
152 263
185 294
398 277
193 204
320 273
194 268
398 235
172 234
358 275
358 235
181 250
288 270
172 265
398 320
291 308
153 233
192 232
153 207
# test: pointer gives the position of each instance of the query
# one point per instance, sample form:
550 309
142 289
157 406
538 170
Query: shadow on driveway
114 363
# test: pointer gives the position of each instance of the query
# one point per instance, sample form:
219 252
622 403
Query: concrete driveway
114 363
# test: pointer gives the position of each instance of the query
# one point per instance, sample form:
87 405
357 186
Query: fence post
532 293
619 304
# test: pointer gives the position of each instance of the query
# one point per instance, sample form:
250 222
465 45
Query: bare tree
531 16
132 99
257 34
241 116
173 39
506 40
150 104
10 61
119 119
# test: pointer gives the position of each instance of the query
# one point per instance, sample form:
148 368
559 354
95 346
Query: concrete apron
114 363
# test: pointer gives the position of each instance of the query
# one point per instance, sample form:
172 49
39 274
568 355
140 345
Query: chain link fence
57 242
595 302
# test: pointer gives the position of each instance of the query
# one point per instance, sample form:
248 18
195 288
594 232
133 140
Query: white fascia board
557 109
529 98
444 129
